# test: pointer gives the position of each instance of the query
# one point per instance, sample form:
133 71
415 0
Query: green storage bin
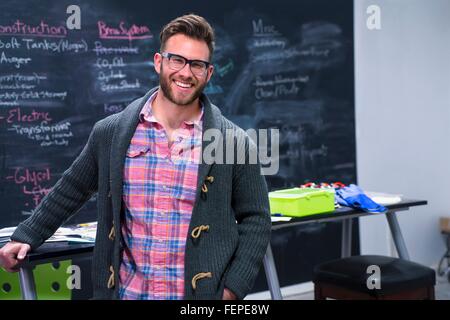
300 202
50 280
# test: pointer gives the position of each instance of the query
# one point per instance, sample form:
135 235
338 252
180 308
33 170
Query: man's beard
164 83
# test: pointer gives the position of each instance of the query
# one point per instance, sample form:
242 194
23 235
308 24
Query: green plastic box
300 202
50 280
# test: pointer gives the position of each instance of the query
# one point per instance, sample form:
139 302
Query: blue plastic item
353 196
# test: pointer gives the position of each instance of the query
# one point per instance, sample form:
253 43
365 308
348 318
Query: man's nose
186 71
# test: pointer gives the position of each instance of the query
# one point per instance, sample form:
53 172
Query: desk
346 214
50 252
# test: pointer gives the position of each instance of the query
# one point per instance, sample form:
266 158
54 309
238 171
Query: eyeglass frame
168 55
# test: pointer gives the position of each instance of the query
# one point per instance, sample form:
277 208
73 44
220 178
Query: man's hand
12 254
228 295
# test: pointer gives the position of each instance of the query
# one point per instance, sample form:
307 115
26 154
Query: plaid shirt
159 188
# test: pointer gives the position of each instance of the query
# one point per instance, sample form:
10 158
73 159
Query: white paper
81 233
275 219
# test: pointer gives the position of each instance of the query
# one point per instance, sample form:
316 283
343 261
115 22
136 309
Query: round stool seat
396 275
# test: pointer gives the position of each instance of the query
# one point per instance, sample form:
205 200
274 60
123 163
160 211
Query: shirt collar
146 113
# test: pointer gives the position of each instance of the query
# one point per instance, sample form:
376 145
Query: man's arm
72 190
251 205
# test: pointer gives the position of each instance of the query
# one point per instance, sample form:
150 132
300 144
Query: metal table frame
346 215
48 252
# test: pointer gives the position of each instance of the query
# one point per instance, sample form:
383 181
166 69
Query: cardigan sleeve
251 205
77 184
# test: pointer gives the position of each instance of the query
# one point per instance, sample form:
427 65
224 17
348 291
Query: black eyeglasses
177 62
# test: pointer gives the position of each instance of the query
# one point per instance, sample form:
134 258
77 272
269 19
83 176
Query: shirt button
164 187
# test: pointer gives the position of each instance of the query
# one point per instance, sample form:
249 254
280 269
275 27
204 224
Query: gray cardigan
234 210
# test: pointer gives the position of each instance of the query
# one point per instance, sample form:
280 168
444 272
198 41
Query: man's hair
190 25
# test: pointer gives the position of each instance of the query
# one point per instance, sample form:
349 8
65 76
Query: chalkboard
278 64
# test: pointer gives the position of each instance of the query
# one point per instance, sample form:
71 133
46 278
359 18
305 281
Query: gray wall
402 75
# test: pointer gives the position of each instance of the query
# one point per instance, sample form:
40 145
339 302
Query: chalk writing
267 43
31 182
277 92
46 135
116 62
32 95
25 175
113 108
99 49
224 69
260 29
17 62
12 43
114 66
291 53
122 85
122 32
20 82
279 79
17 86
18 115
35 77
62 45
106 76
40 30
42 128
278 86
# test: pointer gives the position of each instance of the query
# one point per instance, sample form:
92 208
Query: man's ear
157 60
210 72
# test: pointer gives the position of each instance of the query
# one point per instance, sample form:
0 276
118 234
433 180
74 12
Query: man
169 225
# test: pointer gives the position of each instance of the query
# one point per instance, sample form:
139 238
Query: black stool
348 278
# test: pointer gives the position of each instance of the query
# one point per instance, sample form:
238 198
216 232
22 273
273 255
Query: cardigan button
111 278
112 233
199 276
198 230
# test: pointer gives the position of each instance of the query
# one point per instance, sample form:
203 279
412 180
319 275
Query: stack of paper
82 233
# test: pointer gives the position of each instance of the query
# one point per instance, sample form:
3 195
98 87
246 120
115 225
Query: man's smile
182 84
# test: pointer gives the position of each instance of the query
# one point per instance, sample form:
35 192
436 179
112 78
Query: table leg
271 275
397 235
27 286
346 249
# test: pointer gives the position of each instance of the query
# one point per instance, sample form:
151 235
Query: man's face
182 87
